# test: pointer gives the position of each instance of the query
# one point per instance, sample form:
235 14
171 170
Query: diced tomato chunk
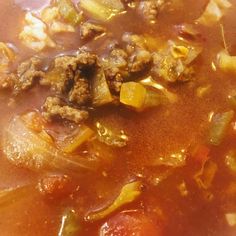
130 224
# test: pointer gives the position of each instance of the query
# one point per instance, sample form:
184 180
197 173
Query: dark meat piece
150 9
81 61
54 108
60 80
80 93
140 57
167 67
89 30
63 78
139 60
115 69
28 73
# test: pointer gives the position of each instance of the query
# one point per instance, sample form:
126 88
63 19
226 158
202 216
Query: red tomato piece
130 224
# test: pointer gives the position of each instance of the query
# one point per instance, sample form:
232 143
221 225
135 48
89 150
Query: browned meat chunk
54 108
58 79
28 73
80 93
139 60
140 57
63 78
150 9
89 30
115 68
81 61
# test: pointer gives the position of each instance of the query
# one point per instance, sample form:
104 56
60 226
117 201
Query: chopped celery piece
68 11
70 225
102 9
205 176
100 90
226 62
84 134
230 161
179 51
152 99
128 194
231 218
28 149
133 94
149 81
214 11
110 138
219 125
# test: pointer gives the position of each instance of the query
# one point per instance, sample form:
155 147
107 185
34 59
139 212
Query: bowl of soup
118 118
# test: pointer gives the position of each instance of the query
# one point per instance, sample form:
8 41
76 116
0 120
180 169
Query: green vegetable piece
70 225
219 126
100 90
167 95
111 138
102 9
230 161
128 194
68 11
226 62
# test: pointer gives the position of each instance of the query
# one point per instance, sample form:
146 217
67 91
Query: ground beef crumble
54 107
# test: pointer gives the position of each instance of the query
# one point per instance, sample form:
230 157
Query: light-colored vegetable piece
149 81
110 138
34 34
28 149
172 63
6 57
68 11
230 161
51 17
133 94
226 62
8 196
219 126
179 51
214 11
205 176
70 225
100 90
231 218
129 193
84 134
102 10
